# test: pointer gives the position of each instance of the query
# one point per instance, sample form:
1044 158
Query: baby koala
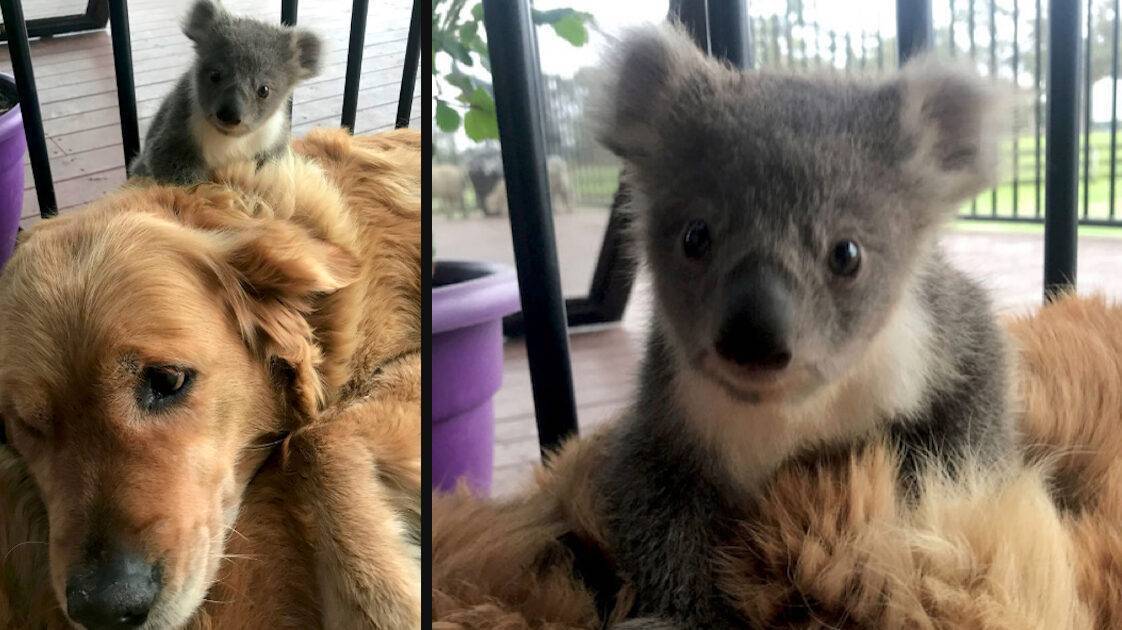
231 105
801 301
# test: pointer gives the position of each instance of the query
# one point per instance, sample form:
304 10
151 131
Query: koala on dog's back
801 301
232 104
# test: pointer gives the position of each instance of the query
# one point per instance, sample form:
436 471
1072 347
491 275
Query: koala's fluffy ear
306 47
646 70
951 118
200 19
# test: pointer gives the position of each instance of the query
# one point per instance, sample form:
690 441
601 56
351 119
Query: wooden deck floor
605 361
77 88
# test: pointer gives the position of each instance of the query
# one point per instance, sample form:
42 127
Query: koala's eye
163 385
263 91
845 258
215 76
696 240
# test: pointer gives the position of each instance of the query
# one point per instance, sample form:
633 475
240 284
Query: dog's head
245 69
151 352
783 215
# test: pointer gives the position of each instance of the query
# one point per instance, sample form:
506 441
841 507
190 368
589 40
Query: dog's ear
306 53
200 19
276 273
950 117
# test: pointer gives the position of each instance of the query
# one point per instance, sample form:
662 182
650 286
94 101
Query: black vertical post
1087 114
409 73
122 66
913 28
288 18
354 63
694 16
20 52
1062 147
1113 107
288 12
728 32
1016 129
993 76
518 101
1038 107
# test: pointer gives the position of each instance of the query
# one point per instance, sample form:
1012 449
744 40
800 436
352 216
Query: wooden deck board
77 85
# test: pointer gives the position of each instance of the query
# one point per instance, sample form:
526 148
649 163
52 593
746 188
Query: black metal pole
354 63
288 18
1061 147
20 52
409 73
1113 108
288 12
518 101
694 16
728 32
913 28
122 66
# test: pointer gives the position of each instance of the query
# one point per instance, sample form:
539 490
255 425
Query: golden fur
295 291
834 545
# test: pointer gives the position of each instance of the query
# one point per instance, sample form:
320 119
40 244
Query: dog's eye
845 258
163 385
696 241
21 427
215 76
263 91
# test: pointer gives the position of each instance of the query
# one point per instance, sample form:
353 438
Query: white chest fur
891 379
219 149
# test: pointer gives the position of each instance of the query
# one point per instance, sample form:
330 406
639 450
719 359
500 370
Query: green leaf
480 125
571 29
460 80
460 53
447 119
477 45
469 31
482 100
477 11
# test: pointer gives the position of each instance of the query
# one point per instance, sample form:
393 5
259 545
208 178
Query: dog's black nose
229 115
756 329
113 594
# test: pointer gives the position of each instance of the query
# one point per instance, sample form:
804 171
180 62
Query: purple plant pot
13 146
469 301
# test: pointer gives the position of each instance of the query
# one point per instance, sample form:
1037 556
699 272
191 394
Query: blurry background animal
802 304
560 190
233 103
448 187
485 170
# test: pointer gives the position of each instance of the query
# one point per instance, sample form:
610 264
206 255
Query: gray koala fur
780 167
217 113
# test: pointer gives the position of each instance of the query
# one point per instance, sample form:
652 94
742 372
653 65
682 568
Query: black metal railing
17 31
721 27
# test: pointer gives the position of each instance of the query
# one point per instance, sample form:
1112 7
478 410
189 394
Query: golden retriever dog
211 398
833 543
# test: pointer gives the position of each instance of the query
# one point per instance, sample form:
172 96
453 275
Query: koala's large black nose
228 115
115 592
756 329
